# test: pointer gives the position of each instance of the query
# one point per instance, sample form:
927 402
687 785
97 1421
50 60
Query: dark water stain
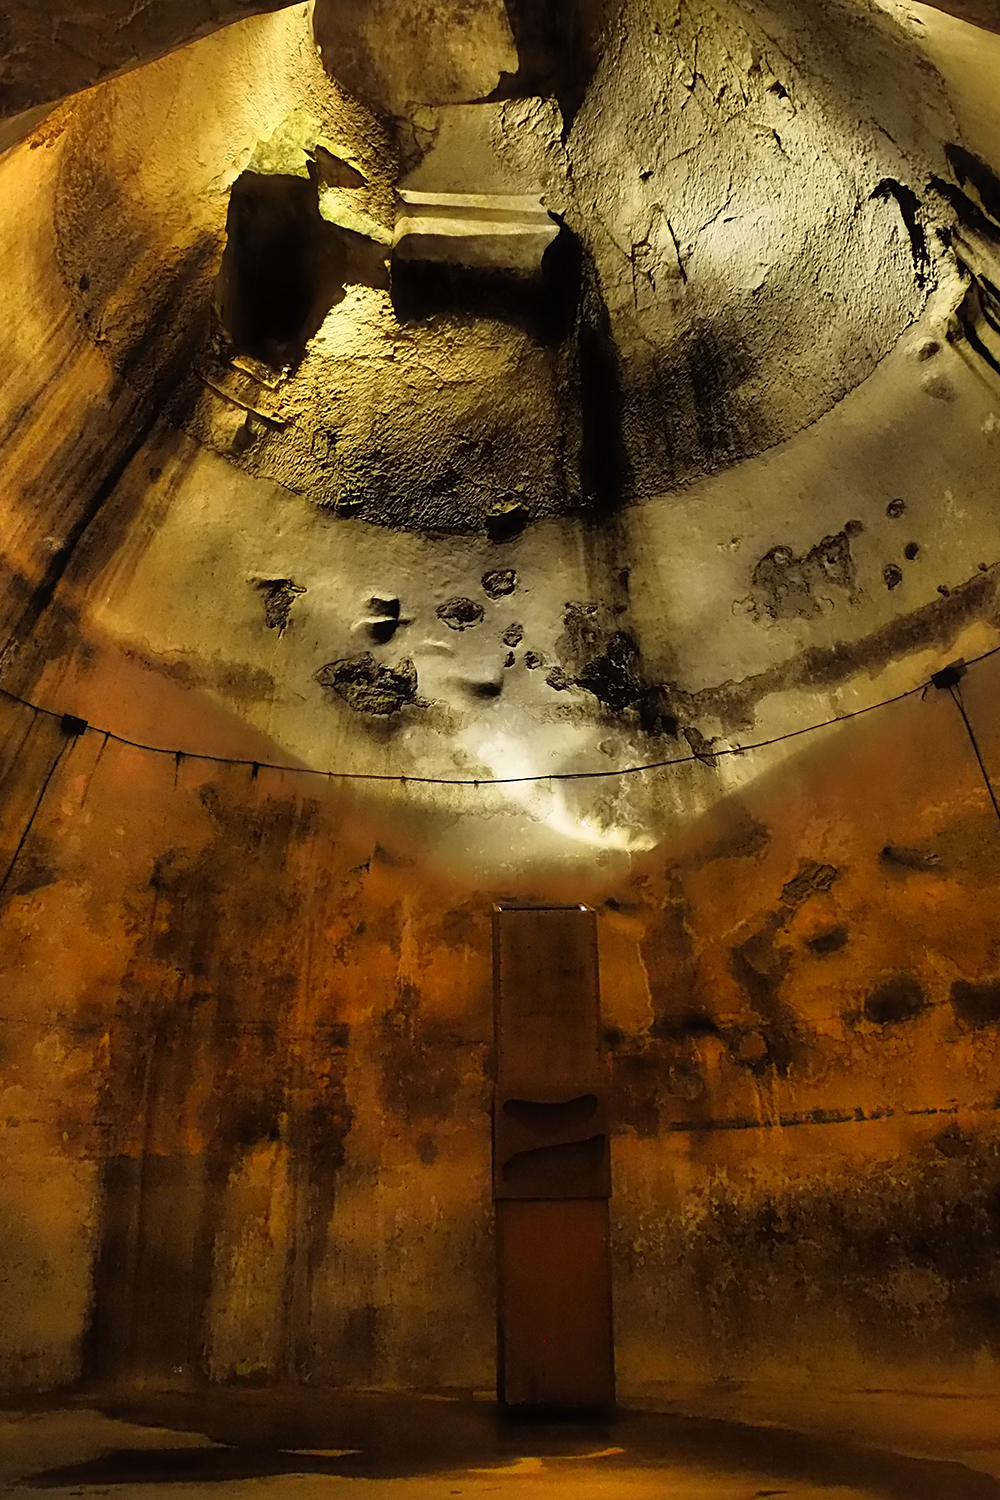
936 624
686 410
904 1252
831 940
598 653
96 477
760 966
421 1061
902 857
898 998
558 48
977 1003
209 1061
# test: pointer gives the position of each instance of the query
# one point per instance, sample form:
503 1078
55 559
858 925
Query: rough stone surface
662 343
52 48
369 687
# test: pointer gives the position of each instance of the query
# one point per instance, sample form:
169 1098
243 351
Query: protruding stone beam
478 231
50 49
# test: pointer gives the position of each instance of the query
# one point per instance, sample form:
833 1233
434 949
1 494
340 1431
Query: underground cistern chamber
500 748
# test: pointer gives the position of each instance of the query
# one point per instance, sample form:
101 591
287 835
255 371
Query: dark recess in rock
509 659
558 47
543 305
829 941
854 528
513 635
385 620
894 1000
382 631
911 550
895 509
977 1004
285 267
499 581
507 521
369 687
533 660
606 478
892 575
459 614
333 171
279 596
244 436
281 271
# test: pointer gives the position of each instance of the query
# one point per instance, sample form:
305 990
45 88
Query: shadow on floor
269 1433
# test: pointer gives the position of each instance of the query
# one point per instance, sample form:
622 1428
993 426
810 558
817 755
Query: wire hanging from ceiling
73 727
